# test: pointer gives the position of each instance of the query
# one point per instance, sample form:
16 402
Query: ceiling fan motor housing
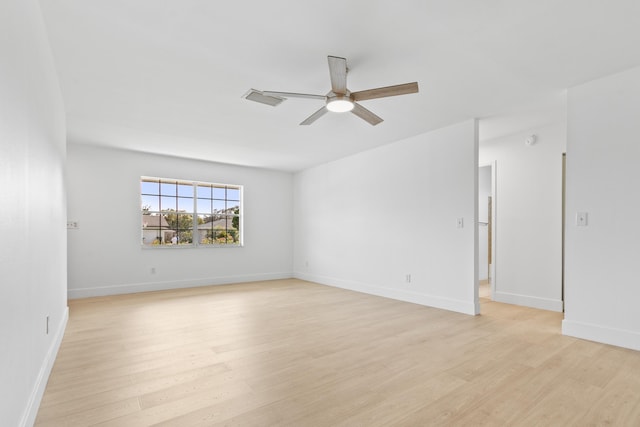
340 103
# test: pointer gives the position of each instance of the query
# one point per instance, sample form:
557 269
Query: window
187 213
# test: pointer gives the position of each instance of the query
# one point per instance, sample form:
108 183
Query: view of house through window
176 212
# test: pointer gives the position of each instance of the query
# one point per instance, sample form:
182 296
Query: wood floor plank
294 353
619 407
78 399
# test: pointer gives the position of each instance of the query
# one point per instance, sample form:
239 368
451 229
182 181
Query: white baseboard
131 288
603 334
401 295
528 301
35 398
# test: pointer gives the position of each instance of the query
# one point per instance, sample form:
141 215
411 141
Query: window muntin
187 213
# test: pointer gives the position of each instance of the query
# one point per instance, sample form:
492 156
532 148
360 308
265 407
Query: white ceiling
167 76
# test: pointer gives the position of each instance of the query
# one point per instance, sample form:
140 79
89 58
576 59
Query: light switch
581 219
460 222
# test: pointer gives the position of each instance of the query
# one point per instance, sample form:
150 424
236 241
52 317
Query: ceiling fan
339 99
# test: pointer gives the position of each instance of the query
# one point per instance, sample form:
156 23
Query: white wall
602 268
105 254
366 221
484 192
32 212
528 216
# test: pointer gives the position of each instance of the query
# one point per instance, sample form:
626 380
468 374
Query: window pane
204 191
150 222
167 236
150 203
213 226
185 204
207 237
178 221
215 221
155 237
204 222
151 237
147 187
219 205
223 223
234 222
167 203
167 189
225 236
185 221
185 190
204 206
168 220
233 236
232 204
233 194
185 237
203 230
219 193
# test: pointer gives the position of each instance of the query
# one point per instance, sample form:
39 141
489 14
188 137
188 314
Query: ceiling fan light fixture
340 104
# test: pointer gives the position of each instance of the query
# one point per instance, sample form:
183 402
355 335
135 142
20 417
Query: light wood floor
293 353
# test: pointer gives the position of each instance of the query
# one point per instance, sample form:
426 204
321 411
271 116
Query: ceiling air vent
257 96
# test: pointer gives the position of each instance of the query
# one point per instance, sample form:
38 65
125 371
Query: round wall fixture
531 139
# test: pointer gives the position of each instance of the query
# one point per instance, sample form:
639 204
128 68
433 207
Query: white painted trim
603 334
131 288
33 405
459 306
528 301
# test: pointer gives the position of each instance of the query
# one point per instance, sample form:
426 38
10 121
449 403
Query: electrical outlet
460 222
72 225
153 270
408 278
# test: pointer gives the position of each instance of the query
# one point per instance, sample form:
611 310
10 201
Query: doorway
486 230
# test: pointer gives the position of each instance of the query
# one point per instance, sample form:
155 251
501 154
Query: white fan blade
293 95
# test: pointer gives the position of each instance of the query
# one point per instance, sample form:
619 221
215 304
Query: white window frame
196 241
